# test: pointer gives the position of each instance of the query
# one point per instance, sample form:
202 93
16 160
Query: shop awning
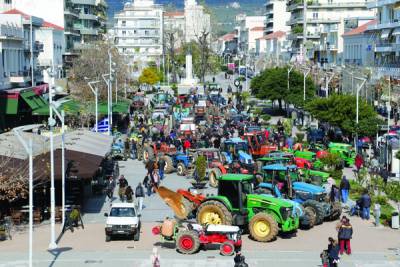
8 105
120 107
70 107
385 33
33 100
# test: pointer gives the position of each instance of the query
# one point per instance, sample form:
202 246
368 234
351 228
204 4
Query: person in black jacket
365 205
333 252
344 189
239 260
161 166
139 193
345 234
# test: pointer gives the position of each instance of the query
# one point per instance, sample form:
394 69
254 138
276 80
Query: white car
122 220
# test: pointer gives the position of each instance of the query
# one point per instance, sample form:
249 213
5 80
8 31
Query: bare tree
202 40
170 39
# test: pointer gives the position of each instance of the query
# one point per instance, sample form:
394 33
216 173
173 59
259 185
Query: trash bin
395 220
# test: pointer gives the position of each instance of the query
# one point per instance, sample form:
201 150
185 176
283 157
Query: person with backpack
161 166
129 194
345 234
139 193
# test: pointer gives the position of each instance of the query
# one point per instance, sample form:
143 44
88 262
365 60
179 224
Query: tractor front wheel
263 227
213 177
181 169
213 212
187 242
317 209
227 249
309 219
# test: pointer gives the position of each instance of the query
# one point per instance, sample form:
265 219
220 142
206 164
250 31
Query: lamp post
357 106
107 81
328 80
389 108
96 95
304 83
29 151
51 122
288 77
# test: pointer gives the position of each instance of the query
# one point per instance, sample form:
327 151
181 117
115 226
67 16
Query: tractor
235 204
264 161
162 99
138 102
179 161
150 150
215 164
258 144
309 195
345 152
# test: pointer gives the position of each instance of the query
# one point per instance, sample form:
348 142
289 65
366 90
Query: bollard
377 214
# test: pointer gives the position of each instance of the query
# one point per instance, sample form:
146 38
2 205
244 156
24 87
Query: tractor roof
235 177
278 167
332 144
273 158
235 140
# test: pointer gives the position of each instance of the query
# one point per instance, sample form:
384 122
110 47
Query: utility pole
304 30
31 50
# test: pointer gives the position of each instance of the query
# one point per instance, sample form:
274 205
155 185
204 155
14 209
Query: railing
24 73
11 31
88 16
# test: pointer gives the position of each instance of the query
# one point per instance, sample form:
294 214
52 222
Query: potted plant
199 173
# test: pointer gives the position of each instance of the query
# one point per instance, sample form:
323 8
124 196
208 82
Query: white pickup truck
122 220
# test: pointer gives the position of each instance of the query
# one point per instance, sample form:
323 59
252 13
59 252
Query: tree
393 192
204 53
272 84
340 110
150 76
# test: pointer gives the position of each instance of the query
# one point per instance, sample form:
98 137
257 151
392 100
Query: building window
123 23
124 33
315 15
146 32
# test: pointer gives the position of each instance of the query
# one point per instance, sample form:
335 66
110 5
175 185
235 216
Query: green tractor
237 204
344 151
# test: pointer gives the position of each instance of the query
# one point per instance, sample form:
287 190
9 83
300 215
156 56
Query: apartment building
174 22
15 49
197 21
83 20
387 30
138 33
246 38
276 16
319 32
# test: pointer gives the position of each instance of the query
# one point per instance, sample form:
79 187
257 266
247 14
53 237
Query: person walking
139 193
123 183
110 188
150 166
358 162
365 205
333 252
129 194
148 185
345 234
344 189
161 166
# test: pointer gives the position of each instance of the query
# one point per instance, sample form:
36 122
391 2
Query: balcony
20 76
88 16
37 46
71 31
88 31
11 32
135 14
381 3
385 47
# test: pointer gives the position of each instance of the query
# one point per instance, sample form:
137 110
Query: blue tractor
178 161
235 150
313 198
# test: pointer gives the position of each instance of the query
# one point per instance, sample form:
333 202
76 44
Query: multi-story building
83 20
276 16
197 21
273 47
138 33
387 47
358 46
16 49
245 24
174 22
319 32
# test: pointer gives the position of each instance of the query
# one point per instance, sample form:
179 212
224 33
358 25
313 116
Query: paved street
372 247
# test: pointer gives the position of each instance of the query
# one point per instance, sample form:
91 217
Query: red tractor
258 144
189 238
150 150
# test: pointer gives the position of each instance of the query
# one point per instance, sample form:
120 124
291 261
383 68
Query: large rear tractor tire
307 221
213 212
169 165
263 227
336 211
213 177
187 242
317 209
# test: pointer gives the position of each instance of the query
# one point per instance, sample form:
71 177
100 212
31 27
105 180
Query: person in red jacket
186 145
359 162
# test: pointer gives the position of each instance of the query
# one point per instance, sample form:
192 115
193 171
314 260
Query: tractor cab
258 143
236 150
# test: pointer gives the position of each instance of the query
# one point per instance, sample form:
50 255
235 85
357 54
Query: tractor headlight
285 212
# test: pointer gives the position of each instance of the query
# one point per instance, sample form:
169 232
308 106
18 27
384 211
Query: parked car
123 220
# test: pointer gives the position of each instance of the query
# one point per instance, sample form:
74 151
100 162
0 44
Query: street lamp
107 81
96 95
327 84
304 83
288 76
358 92
29 151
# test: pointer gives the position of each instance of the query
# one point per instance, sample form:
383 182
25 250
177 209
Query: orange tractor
258 144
